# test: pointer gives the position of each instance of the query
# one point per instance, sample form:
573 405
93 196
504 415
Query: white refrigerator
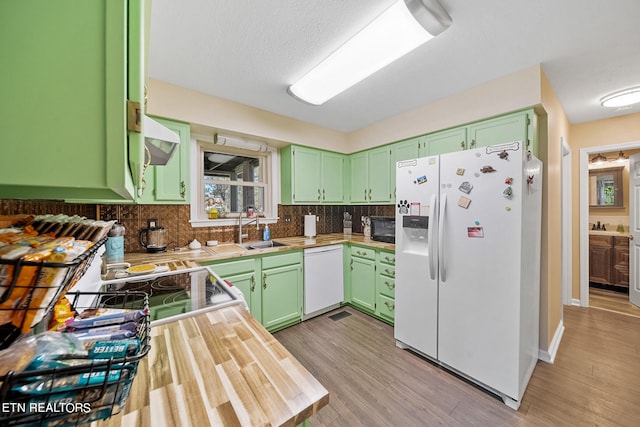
468 228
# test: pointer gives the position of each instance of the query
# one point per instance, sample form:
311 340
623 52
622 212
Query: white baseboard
549 356
575 302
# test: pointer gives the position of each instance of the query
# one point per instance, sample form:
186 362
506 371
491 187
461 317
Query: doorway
604 297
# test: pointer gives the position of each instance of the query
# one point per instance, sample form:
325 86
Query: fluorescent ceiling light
622 98
403 27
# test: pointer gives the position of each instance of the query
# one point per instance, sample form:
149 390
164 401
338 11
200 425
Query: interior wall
557 128
167 100
509 93
597 133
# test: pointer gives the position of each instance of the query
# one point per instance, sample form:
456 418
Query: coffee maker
154 238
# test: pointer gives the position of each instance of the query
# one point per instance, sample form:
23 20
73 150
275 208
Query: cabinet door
600 257
246 282
379 171
513 127
409 149
170 183
332 178
363 283
306 175
64 84
281 296
620 261
359 177
446 141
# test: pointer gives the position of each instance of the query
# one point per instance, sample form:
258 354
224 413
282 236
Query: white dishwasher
323 280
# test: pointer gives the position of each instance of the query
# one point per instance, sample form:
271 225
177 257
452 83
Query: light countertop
220 368
185 258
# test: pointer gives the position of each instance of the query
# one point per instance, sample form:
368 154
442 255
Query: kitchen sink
262 244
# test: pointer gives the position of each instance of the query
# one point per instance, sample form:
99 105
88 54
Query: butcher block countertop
185 257
220 368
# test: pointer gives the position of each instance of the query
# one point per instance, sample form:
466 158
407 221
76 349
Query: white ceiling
250 51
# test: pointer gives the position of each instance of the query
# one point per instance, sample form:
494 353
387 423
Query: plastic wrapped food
19 355
103 316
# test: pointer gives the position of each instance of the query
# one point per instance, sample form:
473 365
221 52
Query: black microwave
383 228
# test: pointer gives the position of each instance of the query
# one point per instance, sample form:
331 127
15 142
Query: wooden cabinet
312 176
371 176
620 271
169 184
68 69
272 285
385 285
609 260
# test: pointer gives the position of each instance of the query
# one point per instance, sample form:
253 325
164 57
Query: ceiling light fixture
400 29
622 98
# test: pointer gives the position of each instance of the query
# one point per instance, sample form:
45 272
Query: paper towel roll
309 225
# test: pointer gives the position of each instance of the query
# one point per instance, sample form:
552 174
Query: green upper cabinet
68 69
410 149
169 184
359 182
312 176
504 129
446 141
371 176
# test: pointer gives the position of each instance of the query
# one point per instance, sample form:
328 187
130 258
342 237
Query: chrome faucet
257 220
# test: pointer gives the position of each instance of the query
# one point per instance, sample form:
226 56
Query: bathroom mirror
605 188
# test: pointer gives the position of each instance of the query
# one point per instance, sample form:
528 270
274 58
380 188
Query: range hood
160 141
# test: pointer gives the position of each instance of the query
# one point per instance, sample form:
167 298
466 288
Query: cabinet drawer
386 307
388 257
620 242
232 268
279 260
387 286
600 240
387 270
363 252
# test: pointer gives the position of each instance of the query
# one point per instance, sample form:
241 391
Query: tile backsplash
175 219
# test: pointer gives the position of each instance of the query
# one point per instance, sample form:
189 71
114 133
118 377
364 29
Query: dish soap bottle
266 234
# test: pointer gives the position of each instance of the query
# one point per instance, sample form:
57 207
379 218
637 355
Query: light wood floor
595 380
612 301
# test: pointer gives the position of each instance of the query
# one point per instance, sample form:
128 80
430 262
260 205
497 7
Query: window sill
228 221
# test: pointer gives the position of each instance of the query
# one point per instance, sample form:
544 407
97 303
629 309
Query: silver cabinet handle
391 286
253 283
390 306
264 280
390 273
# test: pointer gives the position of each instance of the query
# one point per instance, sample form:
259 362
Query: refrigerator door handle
441 260
432 239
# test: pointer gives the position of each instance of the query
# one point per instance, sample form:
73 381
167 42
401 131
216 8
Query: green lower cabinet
271 284
370 282
246 282
363 283
243 273
385 285
281 296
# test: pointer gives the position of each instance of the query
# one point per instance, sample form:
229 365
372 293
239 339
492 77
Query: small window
232 180
233 183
